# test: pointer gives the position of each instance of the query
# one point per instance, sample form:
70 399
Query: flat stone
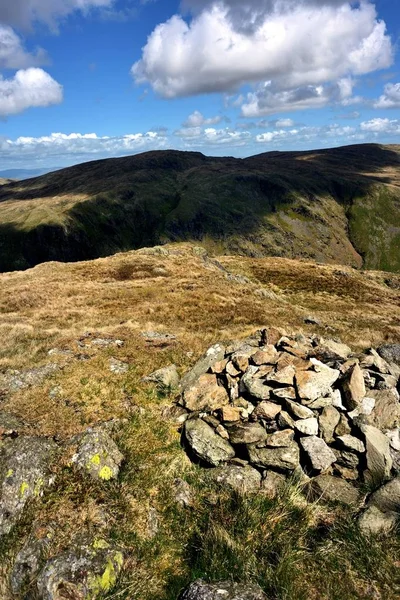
333 489
24 475
268 355
226 590
349 442
390 353
307 426
165 378
232 370
379 460
328 421
230 413
240 361
374 522
207 444
255 387
220 429
284 393
353 387
286 359
286 459
213 355
267 410
337 400
387 498
285 420
247 433
280 439
118 367
283 377
242 479
299 411
386 412
319 403
373 361
311 385
320 455
219 367
98 455
205 394
328 350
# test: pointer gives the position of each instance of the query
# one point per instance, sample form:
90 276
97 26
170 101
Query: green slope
337 206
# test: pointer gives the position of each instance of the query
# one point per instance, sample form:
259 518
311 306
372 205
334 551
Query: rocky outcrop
199 590
98 455
277 404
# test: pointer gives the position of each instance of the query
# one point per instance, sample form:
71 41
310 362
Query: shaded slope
337 206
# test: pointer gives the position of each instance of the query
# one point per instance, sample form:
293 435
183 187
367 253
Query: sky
87 79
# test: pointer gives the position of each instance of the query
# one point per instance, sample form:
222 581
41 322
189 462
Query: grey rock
86 571
319 403
374 522
118 367
213 355
328 421
183 493
199 590
257 388
329 350
307 426
311 385
205 394
349 460
386 413
387 498
390 353
27 563
284 377
379 460
353 387
98 455
350 442
320 455
285 420
286 459
299 411
24 474
333 489
166 378
272 484
246 433
242 479
206 444
9 424
13 381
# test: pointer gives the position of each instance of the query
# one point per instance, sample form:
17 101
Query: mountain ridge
339 205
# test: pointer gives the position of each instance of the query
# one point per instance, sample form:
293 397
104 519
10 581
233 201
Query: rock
13 381
24 474
230 413
379 460
337 401
349 442
118 367
328 350
280 439
255 387
247 433
349 460
385 382
311 385
9 424
213 355
241 479
98 455
219 367
205 394
183 493
156 339
373 521
387 498
272 484
285 393
153 523
199 590
353 387
285 420
267 410
283 377
177 414
299 411
319 403
343 427
345 472
300 364
287 458
307 426
220 429
320 455
310 320
373 361
267 355
87 571
240 362
386 413
390 353
232 370
333 489
328 421
166 378
206 444
27 563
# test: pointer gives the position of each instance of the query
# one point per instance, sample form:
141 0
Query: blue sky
88 79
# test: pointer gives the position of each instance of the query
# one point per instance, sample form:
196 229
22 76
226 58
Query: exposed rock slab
242 479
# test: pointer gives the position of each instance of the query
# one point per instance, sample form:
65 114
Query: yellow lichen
10 473
106 473
95 460
24 488
103 583
38 487
100 544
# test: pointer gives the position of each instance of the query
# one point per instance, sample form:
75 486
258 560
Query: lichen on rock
98 455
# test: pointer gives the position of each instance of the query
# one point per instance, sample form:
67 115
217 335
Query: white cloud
196 119
28 88
390 98
295 45
380 125
284 123
23 13
12 53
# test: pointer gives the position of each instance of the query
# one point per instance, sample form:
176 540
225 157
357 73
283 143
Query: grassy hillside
335 206
295 550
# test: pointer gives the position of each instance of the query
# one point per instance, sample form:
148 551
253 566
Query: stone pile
276 405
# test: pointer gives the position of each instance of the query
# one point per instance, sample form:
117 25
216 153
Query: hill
336 206
75 358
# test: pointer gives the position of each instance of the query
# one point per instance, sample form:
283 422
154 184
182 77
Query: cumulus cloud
296 44
22 13
284 123
196 119
12 53
380 125
390 98
28 88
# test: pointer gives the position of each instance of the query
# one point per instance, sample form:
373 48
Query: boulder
353 387
387 498
86 571
379 460
333 489
213 355
246 433
98 455
255 387
27 562
386 412
206 444
267 355
226 590
286 459
166 378
320 455
24 474
241 479
205 394
328 421
311 385
285 377
373 521
390 353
